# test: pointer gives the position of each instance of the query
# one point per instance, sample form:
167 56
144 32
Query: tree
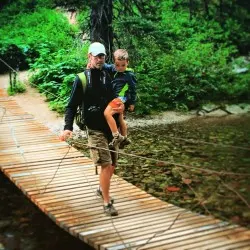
101 29
101 17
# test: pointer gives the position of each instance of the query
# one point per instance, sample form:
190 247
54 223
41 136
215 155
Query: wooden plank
19 174
87 201
229 241
22 158
195 241
177 234
44 164
81 220
119 222
71 194
63 185
136 241
137 225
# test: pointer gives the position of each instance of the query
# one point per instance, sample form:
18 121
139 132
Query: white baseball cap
96 49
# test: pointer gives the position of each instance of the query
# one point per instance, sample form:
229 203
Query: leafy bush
50 49
238 89
43 30
54 75
180 78
179 62
16 88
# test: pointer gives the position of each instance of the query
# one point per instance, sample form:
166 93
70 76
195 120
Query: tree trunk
191 9
101 25
221 9
206 8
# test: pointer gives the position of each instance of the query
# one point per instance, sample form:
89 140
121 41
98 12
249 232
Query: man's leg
101 155
105 177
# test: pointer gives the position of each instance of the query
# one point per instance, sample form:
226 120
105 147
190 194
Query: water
23 225
202 165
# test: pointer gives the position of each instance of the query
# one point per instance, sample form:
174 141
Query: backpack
79 117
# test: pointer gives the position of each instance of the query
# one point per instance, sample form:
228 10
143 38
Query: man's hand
66 134
89 66
119 109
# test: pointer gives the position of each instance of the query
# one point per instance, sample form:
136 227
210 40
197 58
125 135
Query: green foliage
43 30
181 54
54 74
181 77
238 89
83 19
16 88
10 11
181 62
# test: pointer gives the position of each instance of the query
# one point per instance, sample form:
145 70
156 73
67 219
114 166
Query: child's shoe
116 140
125 142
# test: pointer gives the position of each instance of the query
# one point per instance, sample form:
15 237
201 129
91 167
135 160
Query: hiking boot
99 194
110 210
125 142
116 141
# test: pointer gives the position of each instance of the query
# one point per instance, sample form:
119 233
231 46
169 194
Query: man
95 99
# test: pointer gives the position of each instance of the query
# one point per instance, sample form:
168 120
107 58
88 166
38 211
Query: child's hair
121 54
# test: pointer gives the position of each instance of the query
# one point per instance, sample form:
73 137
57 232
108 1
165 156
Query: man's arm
75 100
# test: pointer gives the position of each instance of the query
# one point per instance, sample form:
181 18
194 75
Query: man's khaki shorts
99 149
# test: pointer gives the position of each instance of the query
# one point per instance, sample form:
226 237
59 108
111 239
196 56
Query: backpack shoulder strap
84 77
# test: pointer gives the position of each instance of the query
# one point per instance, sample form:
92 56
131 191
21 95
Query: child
124 85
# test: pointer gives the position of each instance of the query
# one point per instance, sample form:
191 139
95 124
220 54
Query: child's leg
123 125
124 131
108 113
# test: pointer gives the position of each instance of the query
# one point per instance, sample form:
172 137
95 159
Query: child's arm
132 82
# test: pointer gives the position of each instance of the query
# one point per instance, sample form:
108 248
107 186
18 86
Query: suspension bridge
61 181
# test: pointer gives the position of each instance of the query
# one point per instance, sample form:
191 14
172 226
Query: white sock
115 134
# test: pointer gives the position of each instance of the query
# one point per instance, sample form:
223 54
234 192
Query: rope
160 232
173 137
8 65
21 152
236 192
54 175
45 188
168 162
156 233
194 141
4 112
159 161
